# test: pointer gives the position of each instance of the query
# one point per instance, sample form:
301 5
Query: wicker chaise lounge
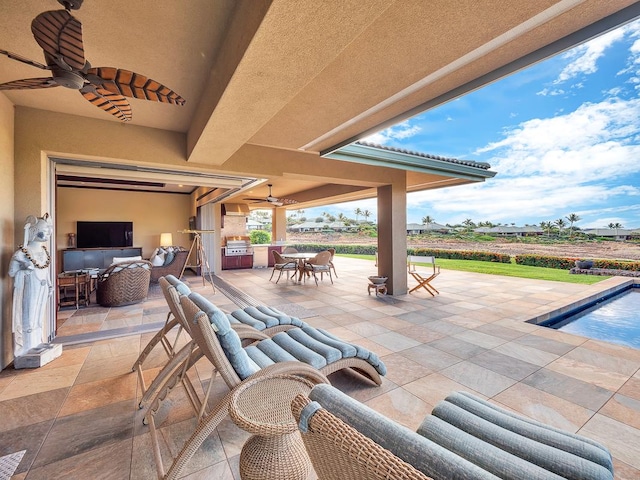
465 437
262 318
221 342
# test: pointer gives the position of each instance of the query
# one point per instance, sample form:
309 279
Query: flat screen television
104 234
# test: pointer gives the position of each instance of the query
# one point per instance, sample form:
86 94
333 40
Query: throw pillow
169 258
158 259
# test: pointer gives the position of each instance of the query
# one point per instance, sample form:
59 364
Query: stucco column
392 236
278 224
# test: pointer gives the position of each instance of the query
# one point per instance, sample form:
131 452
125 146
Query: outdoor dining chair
332 251
283 265
423 278
321 264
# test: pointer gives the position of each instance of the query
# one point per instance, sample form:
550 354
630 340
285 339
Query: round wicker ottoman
263 407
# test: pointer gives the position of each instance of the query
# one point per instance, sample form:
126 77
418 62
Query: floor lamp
201 256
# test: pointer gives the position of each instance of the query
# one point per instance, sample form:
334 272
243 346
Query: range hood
235 209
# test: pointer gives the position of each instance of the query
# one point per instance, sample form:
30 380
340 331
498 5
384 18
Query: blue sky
563 135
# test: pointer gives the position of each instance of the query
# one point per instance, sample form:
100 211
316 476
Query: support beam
392 236
278 224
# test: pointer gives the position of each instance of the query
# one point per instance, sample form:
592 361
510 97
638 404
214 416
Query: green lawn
508 269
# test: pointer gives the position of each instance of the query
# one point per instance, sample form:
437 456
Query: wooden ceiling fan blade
131 84
29 83
59 34
20 58
112 103
286 201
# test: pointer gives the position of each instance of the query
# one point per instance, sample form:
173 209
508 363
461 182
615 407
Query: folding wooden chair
423 278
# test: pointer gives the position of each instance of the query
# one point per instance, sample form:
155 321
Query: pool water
615 320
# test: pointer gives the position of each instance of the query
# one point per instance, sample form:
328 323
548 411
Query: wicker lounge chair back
464 437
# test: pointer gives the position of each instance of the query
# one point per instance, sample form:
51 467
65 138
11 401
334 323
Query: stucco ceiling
300 75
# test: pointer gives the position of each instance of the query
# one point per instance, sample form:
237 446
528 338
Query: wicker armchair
124 283
174 268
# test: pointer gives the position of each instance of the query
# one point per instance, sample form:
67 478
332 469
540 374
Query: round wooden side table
263 407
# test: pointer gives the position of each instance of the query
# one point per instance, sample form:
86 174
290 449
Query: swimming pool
616 320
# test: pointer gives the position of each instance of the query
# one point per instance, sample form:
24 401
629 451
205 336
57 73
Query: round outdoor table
263 407
300 257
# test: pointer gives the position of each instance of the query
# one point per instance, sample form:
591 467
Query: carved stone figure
32 286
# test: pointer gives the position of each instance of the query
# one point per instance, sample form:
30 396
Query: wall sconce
166 240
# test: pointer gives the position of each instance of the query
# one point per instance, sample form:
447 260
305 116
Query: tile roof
469 163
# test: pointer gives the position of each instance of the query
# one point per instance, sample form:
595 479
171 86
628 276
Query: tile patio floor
77 417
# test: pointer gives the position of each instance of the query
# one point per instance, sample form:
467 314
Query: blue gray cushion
425 455
467 437
313 347
511 446
263 317
180 287
228 338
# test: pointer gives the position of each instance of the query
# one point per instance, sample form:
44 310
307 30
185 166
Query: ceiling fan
59 34
278 202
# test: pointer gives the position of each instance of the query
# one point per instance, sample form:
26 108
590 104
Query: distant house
322 226
255 225
417 228
510 231
615 233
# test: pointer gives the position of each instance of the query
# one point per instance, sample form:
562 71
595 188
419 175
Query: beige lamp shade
166 239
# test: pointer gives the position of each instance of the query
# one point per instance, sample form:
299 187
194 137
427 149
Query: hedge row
462 255
561 263
371 250
344 249
568 263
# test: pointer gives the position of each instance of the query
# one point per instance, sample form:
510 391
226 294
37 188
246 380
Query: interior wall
151 213
7 245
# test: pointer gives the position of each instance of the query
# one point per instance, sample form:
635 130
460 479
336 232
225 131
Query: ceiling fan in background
59 34
278 202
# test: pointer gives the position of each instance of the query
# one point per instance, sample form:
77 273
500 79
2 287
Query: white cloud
584 58
550 167
591 141
397 132
554 92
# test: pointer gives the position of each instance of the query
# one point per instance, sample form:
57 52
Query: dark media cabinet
84 258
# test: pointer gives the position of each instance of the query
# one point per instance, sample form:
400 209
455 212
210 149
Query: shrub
462 255
259 237
568 263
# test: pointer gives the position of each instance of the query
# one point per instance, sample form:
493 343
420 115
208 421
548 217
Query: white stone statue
32 284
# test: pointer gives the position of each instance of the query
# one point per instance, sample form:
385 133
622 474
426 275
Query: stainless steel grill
238 246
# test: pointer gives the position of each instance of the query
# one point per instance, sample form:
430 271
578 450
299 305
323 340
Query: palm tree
366 214
546 226
358 212
427 221
573 218
616 226
468 223
560 223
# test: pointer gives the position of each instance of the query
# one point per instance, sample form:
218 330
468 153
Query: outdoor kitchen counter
262 256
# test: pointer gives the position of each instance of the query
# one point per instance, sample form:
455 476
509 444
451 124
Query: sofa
173 267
